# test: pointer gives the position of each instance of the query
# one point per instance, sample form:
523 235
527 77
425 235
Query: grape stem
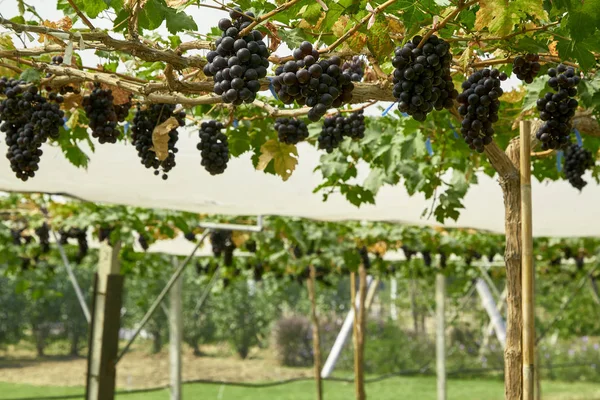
266 16
81 15
443 23
132 24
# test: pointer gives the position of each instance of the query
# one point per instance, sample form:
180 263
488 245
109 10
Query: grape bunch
291 130
220 240
100 110
143 242
57 60
213 146
122 110
577 161
238 62
422 78
43 234
144 123
308 81
337 127
526 67
557 109
355 67
28 119
80 234
479 107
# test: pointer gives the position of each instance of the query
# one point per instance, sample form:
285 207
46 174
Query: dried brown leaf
120 96
72 100
273 35
160 137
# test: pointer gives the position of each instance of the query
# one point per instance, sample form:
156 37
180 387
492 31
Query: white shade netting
116 176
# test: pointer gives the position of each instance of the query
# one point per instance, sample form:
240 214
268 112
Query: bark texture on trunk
310 284
506 165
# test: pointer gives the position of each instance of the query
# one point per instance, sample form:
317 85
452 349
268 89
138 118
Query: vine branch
266 16
81 15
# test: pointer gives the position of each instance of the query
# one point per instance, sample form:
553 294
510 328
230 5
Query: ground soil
140 369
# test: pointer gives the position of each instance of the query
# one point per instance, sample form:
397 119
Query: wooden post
104 337
175 335
359 331
348 324
527 263
310 285
440 343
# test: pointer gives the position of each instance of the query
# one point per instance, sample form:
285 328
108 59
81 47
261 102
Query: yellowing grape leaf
379 41
239 238
160 137
395 25
284 155
514 96
500 16
356 41
552 48
64 24
72 100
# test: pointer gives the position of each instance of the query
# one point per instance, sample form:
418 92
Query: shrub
293 341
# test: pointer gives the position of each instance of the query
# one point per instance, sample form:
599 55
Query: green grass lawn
417 388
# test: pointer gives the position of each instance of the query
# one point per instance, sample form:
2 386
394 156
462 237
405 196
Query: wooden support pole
175 335
310 285
104 337
440 342
359 331
527 263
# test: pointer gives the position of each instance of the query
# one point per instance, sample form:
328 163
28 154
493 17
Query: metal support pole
393 297
491 308
73 279
175 336
527 263
161 296
211 283
340 340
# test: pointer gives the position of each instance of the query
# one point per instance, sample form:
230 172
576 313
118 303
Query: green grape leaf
311 13
581 52
284 156
75 155
180 21
239 142
534 90
30 75
291 37
583 18
531 45
92 8
500 16
357 195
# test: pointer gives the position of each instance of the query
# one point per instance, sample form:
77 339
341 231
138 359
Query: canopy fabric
115 175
